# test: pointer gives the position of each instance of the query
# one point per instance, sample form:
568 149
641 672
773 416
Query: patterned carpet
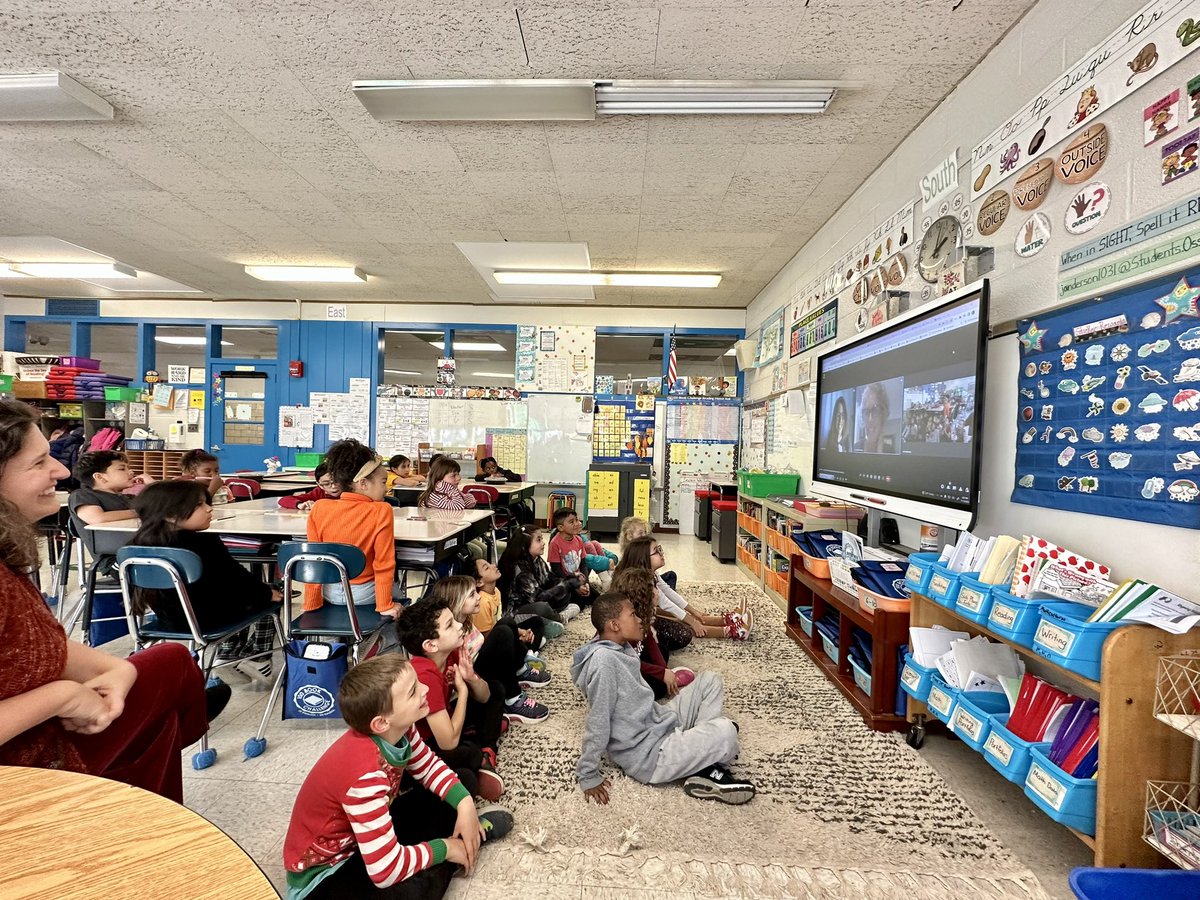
840 812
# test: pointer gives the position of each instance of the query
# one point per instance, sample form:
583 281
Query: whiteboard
464 423
558 453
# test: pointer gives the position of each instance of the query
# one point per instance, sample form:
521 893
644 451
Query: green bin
309 460
763 484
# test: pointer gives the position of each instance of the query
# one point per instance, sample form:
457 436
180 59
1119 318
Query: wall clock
941 247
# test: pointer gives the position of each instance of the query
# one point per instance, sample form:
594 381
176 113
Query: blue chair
170 568
321 563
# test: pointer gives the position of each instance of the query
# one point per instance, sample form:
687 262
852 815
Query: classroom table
511 492
284 486
68 835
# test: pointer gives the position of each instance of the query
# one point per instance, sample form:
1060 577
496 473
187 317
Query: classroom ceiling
237 140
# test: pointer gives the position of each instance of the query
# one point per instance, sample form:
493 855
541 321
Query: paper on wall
295 426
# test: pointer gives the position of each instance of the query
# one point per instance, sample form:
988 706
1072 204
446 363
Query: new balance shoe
735 627
525 709
718 783
496 821
491 785
552 629
570 611
684 676
531 677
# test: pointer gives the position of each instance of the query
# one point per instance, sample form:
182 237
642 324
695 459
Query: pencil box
945 584
1069 801
1007 753
920 570
972 720
1064 636
974 599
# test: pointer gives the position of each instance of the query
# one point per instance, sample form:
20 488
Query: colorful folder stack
1038 710
1076 749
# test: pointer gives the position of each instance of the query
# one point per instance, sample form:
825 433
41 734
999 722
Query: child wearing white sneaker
652 743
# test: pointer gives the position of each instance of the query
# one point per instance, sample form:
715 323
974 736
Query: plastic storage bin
862 677
974 599
309 459
1069 801
1007 753
942 699
815 566
944 585
1133 884
830 647
762 484
1065 636
920 570
1013 618
869 601
123 394
915 679
972 720
804 614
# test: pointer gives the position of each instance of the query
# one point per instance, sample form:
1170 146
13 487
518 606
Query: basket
974 599
920 570
915 679
862 677
1064 636
121 394
1007 753
869 601
762 484
145 444
310 459
804 615
972 716
1067 800
815 566
942 699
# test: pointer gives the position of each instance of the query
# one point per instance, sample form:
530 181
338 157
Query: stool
556 501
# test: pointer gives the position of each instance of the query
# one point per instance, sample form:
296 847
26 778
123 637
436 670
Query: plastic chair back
144 573
316 562
484 494
242 488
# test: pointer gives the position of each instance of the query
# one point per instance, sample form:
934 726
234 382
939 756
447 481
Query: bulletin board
560 438
689 467
623 430
556 358
1108 410
789 432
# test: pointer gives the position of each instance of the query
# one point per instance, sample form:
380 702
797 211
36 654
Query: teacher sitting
64 705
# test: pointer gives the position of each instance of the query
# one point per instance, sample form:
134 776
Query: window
179 345
238 342
708 355
409 357
629 357
485 358
47 339
116 346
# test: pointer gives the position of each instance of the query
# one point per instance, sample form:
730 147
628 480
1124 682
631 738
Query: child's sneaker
227 668
491 785
496 821
552 629
747 618
534 661
735 627
531 677
718 783
684 676
526 710
258 671
570 611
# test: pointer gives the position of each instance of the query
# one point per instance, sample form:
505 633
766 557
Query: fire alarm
296 368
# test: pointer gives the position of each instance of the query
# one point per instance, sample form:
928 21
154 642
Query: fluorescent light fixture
672 98
74 270
306 273
186 341
612 279
49 97
486 346
491 375
399 372
7 271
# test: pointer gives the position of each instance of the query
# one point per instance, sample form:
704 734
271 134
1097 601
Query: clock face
941 247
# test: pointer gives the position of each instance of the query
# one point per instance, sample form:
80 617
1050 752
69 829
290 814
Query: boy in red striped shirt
362 825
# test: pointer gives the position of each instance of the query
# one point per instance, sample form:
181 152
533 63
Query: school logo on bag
313 700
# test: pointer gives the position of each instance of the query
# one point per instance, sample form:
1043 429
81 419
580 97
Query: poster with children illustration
1160 118
1179 156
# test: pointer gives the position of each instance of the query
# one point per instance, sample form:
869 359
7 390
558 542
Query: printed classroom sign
814 329
1141 48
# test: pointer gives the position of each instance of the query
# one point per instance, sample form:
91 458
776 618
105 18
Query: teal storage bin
1013 618
1068 801
944 585
804 614
1065 636
972 720
862 677
830 648
1007 753
942 699
974 599
920 570
915 679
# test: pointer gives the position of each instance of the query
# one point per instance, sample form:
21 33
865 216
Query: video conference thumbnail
888 417
941 412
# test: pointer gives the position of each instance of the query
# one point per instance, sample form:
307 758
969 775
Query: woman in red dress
64 705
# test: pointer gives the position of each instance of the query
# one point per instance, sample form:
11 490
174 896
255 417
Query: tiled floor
252 800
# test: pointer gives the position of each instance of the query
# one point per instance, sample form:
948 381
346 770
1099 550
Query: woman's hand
113 687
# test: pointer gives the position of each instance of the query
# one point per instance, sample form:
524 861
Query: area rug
840 812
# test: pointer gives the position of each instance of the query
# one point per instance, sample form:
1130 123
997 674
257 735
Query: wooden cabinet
158 464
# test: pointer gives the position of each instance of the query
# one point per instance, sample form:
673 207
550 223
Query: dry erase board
464 423
560 451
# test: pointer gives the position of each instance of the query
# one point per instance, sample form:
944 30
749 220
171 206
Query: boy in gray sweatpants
686 738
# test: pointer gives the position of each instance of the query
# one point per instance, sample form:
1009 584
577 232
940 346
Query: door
244 425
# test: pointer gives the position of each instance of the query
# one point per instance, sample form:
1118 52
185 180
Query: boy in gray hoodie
686 738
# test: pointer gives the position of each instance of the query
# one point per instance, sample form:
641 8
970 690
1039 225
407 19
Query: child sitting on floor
685 738
400 472
362 826
177 514
500 657
647 553
360 518
433 638
637 585
573 554
528 585
633 527
326 489
491 609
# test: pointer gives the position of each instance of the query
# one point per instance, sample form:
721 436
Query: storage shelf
1177 693
1168 802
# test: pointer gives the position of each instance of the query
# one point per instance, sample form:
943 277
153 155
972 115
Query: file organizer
974 599
1071 801
1064 636
1007 753
1134 747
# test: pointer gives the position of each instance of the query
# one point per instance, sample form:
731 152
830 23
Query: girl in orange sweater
359 517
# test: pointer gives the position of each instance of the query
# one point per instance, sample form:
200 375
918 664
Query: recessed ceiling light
74 270
469 345
306 273
400 372
491 375
49 97
613 279
186 341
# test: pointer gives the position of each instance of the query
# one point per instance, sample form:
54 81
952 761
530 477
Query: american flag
671 364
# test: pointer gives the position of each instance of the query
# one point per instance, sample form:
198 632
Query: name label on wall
941 182
337 313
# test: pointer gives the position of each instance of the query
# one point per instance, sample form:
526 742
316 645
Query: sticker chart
1108 412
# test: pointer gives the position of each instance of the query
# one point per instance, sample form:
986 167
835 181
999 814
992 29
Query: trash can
724 530
703 516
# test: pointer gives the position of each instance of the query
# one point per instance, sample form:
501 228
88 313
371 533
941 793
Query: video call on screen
897 414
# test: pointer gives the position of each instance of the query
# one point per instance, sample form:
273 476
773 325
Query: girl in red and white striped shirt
441 491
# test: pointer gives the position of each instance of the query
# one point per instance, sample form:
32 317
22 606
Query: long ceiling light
181 340
315 274
553 100
486 347
74 270
7 271
611 279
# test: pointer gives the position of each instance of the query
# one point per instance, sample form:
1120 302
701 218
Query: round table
68 835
